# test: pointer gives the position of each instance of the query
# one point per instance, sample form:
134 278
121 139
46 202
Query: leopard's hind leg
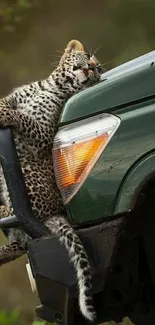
4 211
11 251
17 241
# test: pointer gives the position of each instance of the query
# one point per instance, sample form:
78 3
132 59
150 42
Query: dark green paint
128 159
109 94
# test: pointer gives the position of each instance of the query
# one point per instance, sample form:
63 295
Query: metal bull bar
17 190
49 268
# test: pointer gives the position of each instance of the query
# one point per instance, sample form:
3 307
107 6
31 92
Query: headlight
76 149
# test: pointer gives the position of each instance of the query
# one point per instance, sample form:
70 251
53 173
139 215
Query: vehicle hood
124 84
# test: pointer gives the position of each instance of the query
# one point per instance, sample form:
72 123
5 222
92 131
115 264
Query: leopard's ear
74 46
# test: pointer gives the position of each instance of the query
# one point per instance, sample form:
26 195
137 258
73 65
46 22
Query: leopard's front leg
6 117
38 133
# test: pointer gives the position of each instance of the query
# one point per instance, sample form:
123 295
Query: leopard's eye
76 67
88 56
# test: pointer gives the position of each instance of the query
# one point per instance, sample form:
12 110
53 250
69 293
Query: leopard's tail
66 235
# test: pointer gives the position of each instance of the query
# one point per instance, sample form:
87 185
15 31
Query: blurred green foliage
33 32
11 14
11 318
14 318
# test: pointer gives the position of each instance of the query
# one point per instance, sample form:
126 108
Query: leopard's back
38 103
37 168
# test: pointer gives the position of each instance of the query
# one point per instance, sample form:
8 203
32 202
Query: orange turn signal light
72 161
77 148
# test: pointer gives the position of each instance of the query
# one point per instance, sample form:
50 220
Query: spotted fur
33 111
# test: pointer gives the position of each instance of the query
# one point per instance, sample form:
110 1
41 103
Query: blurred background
32 35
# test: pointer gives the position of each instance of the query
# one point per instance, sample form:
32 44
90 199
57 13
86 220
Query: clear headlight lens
76 149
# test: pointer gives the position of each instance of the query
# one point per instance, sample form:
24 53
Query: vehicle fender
133 182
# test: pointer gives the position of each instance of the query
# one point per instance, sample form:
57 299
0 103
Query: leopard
32 111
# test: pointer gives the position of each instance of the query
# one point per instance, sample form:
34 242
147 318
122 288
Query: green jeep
104 160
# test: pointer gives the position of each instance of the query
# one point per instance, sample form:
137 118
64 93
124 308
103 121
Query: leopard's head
77 67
